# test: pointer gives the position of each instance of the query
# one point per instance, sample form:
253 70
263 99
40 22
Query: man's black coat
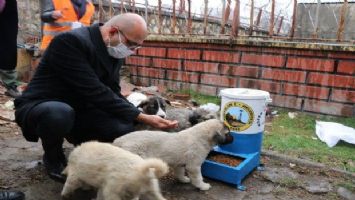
76 69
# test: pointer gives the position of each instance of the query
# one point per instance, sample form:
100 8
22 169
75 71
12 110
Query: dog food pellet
225 159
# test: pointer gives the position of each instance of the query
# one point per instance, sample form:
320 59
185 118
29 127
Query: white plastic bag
210 107
331 133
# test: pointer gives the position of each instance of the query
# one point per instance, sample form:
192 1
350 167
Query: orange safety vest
65 22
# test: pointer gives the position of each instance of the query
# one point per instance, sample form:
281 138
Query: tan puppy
116 173
186 149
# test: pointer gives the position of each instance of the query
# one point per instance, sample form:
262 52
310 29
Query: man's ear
112 31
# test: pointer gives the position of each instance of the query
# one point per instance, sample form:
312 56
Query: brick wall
314 79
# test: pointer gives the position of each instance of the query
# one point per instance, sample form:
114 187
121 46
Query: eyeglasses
130 44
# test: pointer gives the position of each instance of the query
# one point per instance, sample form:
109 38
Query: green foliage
297 137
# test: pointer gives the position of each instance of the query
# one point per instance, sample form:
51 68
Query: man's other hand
156 121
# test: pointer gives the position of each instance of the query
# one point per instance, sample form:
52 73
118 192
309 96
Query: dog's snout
228 139
162 116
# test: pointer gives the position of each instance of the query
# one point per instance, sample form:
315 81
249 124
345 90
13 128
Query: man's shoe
12 92
54 170
12 195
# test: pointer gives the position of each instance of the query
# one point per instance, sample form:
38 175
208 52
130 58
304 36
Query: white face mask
119 51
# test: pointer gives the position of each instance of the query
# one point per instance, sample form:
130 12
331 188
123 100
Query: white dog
115 172
186 149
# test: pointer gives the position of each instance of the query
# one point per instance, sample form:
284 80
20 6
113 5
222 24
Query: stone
316 185
266 189
345 193
277 175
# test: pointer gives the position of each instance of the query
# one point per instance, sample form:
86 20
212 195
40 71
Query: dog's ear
142 104
194 118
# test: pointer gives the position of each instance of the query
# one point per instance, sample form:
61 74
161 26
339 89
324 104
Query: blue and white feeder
243 111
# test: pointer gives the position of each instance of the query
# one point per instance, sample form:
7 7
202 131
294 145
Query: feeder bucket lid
246 93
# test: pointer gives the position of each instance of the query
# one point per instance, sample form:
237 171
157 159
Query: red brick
201 66
133 70
286 101
332 80
152 51
221 56
284 75
346 55
167 63
347 67
310 64
150 72
343 96
328 108
138 61
218 80
263 59
182 76
268 86
240 70
184 53
306 91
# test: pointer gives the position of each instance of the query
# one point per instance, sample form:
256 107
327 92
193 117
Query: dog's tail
154 168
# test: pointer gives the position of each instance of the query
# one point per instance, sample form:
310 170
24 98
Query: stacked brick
310 80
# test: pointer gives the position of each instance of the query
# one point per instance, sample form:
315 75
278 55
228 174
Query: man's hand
57 14
156 121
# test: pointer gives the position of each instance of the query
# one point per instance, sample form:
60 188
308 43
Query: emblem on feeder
238 116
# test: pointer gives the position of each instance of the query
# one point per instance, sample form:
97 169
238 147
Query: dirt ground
21 168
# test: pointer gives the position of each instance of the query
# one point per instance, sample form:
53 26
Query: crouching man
75 91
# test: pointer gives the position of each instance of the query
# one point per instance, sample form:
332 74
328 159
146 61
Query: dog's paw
184 179
204 186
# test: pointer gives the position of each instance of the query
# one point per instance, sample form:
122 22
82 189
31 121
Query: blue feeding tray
243 111
247 160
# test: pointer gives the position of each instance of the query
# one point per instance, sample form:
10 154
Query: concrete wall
29 21
309 77
328 24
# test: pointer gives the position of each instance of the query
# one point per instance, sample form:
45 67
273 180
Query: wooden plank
294 14
280 25
205 20
258 18
341 26
189 23
251 18
223 22
272 19
173 24
236 19
159 16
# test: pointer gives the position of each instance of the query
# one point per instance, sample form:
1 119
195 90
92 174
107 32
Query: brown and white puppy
115 172
153 105
186 149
